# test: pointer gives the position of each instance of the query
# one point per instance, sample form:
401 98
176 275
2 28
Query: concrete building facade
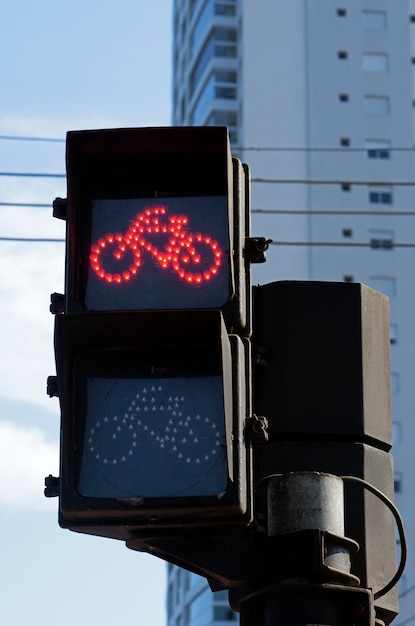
319 99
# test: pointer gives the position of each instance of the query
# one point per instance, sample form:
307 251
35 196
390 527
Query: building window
221 609
346 187
212 90
347 232
342 54
375 62
343 97
222 118
223 614
348 278
397 482
220 43
381 239
225 9
375 153
201 608
341 12
377 149
344 141
395 383
381 195
233 137
396 433
384 284
376 105
374 20
393 334
226 76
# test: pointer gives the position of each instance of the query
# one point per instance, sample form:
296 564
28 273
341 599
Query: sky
66 65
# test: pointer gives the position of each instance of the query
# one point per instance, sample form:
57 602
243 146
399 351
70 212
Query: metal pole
306 533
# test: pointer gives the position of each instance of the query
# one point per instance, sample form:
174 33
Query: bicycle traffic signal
152 336
157 220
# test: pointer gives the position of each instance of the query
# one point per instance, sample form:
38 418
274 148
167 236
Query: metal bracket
51 486
52 387
60 208
256 429
255 249
57 303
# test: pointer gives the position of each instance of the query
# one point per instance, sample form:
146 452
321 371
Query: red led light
181 249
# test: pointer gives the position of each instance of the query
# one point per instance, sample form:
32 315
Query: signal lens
154 437
174 255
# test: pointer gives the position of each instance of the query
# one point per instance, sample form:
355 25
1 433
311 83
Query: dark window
347 232
385 244
380 197
343 97
344 141
348 278
397 483
341 12
346 186
342 54
378 153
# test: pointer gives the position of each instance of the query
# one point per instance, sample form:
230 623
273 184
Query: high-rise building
190 602
319 98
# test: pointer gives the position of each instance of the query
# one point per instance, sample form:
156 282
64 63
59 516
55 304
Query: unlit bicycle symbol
195 257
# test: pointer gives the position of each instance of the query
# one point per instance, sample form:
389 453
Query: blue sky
64 65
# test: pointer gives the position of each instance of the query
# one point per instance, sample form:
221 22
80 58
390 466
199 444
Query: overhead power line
20 138
336 244
48 205
328 212
316 149
246 148
300 181
43 205
280 181
33 239
340 244
32 175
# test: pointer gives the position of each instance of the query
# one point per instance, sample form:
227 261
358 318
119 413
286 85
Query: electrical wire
32 175
246 148
43 205
279 181
340 244
304 181
334 244
398 520
328 149
20 138
48 205
33 239
399 524
326 212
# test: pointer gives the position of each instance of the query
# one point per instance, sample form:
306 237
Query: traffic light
157 219
323 381
152 335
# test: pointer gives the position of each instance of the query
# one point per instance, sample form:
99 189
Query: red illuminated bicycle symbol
180 253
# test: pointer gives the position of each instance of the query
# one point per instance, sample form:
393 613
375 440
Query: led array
169 421
181 253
